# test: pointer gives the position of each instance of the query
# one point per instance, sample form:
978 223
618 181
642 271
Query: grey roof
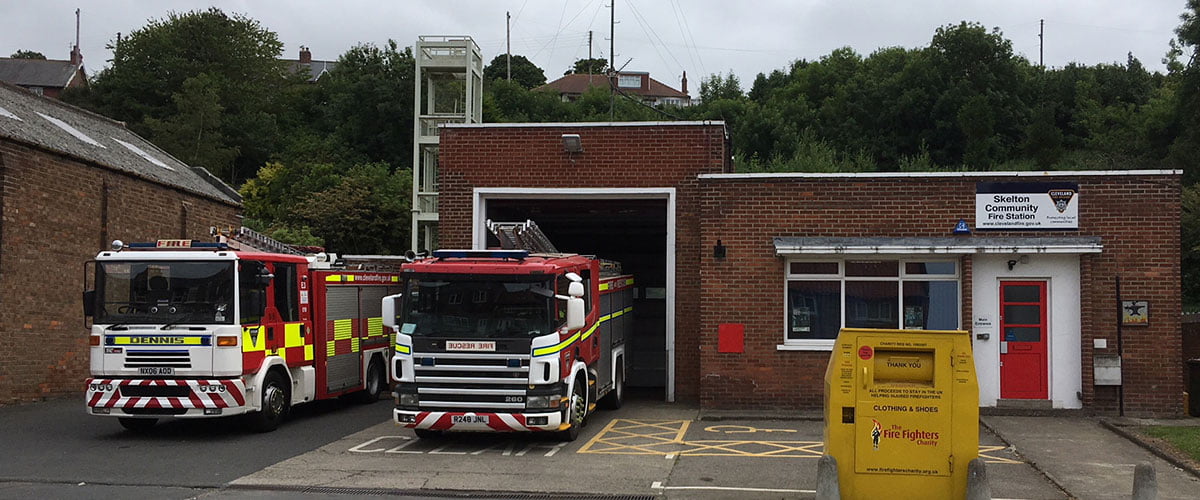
72 131
315 69
937 245
37 72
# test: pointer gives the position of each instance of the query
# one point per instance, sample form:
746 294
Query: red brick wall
1136 217
51 223
613 156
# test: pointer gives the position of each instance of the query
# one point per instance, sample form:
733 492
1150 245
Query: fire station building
1069 282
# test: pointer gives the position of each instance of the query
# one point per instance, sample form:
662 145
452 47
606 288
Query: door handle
270 333
303 330
1003 347
864 377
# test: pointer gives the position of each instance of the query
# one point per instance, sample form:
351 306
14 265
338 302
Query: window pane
1022 334
1023 315
930 267
814 268
931 305
872 304
814 308
1022 293
881 268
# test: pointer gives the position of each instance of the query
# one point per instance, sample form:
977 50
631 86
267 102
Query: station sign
1027 205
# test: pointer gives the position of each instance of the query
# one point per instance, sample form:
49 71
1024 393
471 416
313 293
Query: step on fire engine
508 340
246 325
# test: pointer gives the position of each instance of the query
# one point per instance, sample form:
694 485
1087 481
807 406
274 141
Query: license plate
156 370
469 419
458 345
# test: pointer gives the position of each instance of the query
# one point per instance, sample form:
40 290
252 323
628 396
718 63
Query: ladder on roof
521 236
254 240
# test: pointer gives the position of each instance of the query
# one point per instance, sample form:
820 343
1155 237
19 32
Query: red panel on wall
730 337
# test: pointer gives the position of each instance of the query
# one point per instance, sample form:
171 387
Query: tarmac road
647 449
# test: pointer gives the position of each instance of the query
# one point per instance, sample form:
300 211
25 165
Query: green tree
593 66
365 212
368 104
194 134
27 54
720 87
524 72
240 60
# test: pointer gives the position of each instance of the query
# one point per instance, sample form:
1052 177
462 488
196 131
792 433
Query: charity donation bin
902 413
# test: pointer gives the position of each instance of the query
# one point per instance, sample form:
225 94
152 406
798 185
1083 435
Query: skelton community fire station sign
1027 205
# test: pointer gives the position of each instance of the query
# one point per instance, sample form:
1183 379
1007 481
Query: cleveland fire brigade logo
876 431
1061 198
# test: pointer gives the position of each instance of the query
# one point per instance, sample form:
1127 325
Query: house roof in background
37 72
579 83
73 131
315 69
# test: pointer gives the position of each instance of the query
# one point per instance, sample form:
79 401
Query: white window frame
901 277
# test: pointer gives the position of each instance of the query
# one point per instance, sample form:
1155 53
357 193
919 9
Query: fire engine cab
508 340
189 330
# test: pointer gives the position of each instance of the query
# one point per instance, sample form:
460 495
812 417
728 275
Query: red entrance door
1023 345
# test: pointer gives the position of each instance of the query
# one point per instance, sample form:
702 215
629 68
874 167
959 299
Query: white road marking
657 485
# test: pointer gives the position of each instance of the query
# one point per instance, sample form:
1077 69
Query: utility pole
612 59
508 44
1041 42
589 65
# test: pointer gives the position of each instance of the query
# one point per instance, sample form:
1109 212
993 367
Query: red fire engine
187 329
508 340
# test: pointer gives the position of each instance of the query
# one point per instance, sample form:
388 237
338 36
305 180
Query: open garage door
632 231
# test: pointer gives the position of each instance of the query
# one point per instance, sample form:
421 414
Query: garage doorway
635 227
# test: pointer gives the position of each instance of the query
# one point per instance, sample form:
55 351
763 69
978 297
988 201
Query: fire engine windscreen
441 307
165 292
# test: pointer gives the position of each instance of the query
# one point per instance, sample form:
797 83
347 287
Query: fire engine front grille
471 380
147 359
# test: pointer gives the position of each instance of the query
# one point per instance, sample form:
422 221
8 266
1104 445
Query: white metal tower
449 89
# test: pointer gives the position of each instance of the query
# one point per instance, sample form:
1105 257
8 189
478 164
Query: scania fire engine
188 329
507 340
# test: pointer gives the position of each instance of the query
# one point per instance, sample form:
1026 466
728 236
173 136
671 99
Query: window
252 289
823 296
287 298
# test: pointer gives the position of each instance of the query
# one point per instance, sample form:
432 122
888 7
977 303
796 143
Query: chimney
305 55
683 85
76 56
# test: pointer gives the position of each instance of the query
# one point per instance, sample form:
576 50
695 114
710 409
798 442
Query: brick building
790 258
72 182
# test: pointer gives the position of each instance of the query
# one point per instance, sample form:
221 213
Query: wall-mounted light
572 143
718 250
1024 259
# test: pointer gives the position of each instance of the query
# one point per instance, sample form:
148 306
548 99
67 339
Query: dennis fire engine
187 329
508 340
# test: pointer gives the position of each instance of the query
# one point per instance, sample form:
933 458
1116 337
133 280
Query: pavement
1087 459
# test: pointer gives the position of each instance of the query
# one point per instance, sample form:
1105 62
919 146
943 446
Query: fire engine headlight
408 400
541 402
227 341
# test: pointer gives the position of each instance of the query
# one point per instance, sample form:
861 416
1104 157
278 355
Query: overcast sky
663 37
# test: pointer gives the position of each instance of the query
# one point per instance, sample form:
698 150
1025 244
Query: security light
572 143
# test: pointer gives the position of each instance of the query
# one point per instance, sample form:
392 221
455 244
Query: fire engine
508 340
246 325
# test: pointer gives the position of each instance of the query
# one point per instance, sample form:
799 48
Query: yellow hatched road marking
667 437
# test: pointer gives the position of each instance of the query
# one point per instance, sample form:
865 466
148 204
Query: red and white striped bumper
475 421
180 398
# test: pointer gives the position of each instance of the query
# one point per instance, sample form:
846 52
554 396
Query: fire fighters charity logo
876 431
1061 198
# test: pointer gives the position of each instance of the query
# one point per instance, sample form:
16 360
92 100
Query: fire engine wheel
616 397
137 424
576 412
376 382
275 403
